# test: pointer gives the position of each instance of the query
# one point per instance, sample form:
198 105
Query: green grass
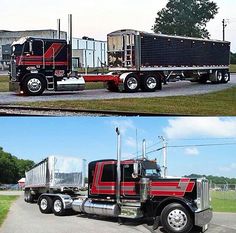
233 68
218 103
223 201
5 203
4 83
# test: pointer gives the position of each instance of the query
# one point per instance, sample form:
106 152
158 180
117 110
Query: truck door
129 185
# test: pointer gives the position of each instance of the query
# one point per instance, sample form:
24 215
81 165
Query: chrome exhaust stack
144 149
118 166
59 28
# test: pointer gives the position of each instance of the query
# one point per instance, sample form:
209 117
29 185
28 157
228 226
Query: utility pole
224 26
164 156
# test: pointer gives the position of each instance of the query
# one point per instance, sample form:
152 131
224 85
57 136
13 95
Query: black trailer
146 60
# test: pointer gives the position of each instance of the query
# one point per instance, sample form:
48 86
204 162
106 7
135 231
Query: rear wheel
151 83
28 197
45 205
175 218
218 77
58 208
226 77
33 85
131 83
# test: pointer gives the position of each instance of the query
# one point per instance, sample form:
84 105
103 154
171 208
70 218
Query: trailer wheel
33 85
226 77
45 205
176 218
58 208
151 83
28 197
111 86
132 83
218 77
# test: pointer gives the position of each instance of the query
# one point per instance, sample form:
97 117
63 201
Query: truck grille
203 198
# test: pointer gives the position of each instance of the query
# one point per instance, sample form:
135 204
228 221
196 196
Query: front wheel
175 218
33 85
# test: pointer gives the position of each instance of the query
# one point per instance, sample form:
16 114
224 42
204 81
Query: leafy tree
186 18
12 168
233 58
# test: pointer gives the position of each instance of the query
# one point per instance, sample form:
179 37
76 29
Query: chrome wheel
57 206
151 82
34 85
226 77
132 83
43 204
177 219
219 77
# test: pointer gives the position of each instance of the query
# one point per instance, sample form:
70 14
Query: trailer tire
111 86
45 205
28 197
151 83
132 83
218 77
226 77
175 218
33 85
58 208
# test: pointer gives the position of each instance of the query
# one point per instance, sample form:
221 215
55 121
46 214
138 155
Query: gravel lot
172 89
26 218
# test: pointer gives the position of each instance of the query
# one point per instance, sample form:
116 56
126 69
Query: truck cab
39 64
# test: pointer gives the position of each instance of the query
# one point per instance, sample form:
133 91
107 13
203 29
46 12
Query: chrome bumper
203 217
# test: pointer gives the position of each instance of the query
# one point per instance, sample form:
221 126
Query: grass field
218 103
224 201
5 203
233 68
4 86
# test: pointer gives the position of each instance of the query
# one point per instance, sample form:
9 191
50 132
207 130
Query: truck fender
66 199
169 200
123 76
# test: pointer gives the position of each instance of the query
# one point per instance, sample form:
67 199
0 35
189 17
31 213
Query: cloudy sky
95 138
98 18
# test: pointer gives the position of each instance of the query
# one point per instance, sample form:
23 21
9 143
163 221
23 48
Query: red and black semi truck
136 61
135 189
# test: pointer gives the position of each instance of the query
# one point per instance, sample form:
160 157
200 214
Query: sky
98 18
95 138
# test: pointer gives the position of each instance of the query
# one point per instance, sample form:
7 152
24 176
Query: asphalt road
172 89
27 218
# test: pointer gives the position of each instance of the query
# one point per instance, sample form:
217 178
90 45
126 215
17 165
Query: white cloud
228 168
130 142
123 125
185 127
191 151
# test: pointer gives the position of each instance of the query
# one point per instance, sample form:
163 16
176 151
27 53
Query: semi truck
54 174
135 189
136 61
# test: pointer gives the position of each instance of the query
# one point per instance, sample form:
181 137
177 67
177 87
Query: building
88 52
8 37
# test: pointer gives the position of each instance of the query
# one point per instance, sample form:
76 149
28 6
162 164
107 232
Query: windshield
19 49
152 172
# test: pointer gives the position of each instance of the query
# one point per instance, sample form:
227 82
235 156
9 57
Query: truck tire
226 77
28 197
131 83
151 83
58 208
45 205
218 77
111 86
33 85
176 218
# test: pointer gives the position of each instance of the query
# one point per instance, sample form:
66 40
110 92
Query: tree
12 168
186 18
233 58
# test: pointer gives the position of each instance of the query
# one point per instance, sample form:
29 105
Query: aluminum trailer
140 60
54 174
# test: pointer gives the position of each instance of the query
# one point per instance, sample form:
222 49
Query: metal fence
223 191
